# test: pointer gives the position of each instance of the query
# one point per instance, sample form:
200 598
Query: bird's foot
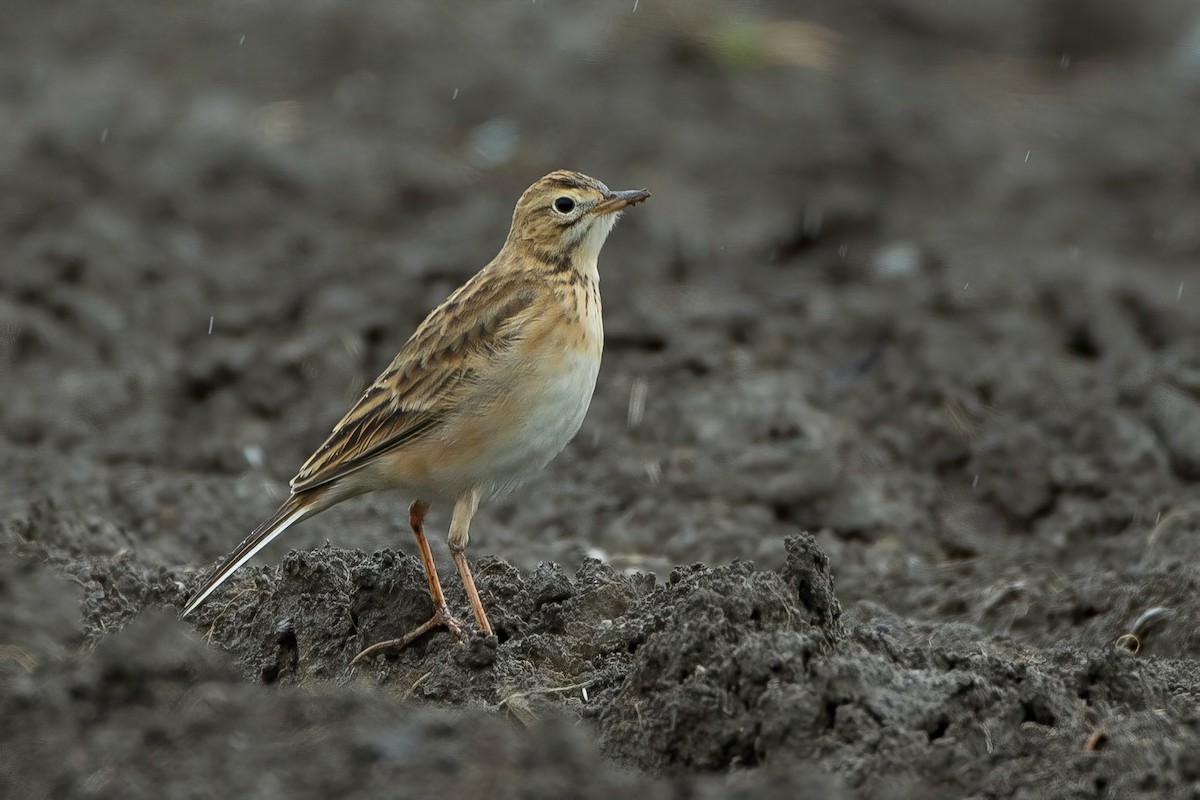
441 618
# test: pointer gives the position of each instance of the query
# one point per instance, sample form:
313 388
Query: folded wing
433 373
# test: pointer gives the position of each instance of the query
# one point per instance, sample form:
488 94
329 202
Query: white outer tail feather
227 569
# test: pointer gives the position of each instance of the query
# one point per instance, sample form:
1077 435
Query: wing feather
432 374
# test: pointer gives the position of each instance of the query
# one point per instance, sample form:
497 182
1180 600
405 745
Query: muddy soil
889 488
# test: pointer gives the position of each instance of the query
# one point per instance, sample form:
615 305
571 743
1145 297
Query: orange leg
464 571
460 525
441 614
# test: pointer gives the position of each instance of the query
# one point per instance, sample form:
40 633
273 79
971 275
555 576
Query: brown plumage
490 387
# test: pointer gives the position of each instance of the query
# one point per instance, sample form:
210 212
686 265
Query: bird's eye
564 205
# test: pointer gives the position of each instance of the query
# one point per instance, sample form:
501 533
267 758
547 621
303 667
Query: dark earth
891 483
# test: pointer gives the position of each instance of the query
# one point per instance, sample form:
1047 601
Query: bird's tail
296 508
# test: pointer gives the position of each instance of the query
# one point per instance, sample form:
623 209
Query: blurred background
918 276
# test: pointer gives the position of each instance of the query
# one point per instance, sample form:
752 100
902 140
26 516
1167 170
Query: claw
441 619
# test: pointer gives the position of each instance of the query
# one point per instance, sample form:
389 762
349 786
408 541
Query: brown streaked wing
430 376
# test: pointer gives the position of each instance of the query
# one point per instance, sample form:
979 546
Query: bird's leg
460 524
416 518
441 614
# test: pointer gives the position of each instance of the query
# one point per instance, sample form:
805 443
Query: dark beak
615 201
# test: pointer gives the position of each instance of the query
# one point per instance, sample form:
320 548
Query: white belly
547 426
555 421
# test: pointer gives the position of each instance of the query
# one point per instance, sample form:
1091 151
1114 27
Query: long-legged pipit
490 387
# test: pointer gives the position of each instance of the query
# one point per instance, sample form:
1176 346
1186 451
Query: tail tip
192 604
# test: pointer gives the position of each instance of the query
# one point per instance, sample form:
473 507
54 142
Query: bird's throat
586 253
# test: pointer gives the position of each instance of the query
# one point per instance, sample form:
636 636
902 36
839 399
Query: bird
492 385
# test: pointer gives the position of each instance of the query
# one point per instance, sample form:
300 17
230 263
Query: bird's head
563 219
